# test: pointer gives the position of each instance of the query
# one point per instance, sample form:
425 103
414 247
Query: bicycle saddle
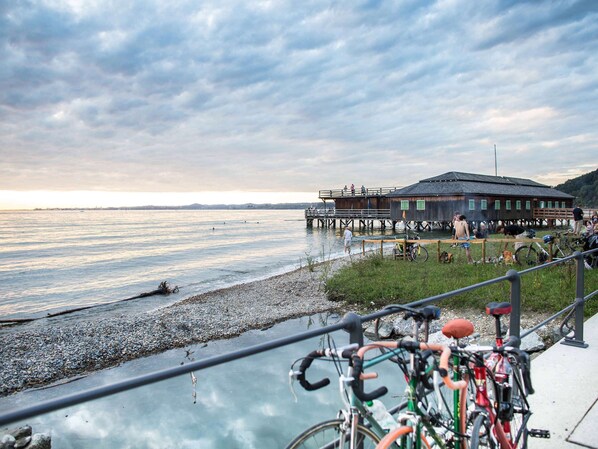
498 308
458 328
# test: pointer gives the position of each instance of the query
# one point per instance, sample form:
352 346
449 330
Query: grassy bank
375 281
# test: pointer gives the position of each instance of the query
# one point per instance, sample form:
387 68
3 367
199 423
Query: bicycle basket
548 239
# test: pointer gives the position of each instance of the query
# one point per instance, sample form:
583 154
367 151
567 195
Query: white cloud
286 96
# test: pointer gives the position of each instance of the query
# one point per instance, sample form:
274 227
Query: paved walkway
566 398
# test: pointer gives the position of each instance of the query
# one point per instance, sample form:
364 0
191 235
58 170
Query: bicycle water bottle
381 415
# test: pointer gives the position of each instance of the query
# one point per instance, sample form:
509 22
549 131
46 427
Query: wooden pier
362 218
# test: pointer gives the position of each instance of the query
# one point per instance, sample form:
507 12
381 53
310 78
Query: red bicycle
502 382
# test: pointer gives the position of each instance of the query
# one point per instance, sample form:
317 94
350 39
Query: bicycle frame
501 428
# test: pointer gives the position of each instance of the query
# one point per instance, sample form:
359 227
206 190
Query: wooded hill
584 188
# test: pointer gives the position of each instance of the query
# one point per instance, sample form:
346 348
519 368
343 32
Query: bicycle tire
518 422
418 253
527 256
332 433
481 433
404 438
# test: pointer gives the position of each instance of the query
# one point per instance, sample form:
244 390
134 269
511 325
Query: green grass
374 281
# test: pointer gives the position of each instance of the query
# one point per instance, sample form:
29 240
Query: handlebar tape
305 364
356 384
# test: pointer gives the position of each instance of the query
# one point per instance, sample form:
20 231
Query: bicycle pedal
538 433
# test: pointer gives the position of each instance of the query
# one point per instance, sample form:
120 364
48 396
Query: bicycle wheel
332 434
526 256
481 433
518 423
418 253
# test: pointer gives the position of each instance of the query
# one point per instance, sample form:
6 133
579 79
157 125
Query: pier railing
372 214
352 323
357 192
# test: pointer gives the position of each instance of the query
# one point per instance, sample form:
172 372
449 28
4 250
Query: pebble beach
59 349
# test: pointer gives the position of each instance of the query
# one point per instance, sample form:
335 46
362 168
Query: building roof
457 183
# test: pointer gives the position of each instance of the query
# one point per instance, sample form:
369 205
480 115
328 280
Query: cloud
280 96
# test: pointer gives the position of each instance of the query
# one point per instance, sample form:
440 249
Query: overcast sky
291 96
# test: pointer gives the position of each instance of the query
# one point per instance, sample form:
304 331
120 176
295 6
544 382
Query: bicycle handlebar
344 352
512 344
306 363
410 346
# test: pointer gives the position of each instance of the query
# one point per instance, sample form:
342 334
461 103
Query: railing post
353 326
515 324
577 339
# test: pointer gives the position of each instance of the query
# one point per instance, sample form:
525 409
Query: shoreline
35 355
40 354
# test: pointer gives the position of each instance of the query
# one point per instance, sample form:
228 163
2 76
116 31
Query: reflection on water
242 404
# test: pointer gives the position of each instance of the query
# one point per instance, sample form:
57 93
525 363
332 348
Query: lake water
56 260
245 404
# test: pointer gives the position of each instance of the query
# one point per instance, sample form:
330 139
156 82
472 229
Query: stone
405 327
532 343
22 442
40 441
7 442
21 432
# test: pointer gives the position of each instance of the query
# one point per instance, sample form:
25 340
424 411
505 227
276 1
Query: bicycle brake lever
292 378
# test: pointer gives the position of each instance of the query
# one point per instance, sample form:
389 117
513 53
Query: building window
518 204
421 205
550 205
542 204
528 205
484 204
404 204
496 204
471 204
508 204
563 204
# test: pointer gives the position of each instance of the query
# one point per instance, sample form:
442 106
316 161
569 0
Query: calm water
51 261
246 404
56 260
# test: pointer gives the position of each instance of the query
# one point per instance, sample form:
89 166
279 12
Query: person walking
462 233
348 235
578 220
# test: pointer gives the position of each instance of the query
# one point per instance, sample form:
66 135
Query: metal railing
381 214
357 192
351 322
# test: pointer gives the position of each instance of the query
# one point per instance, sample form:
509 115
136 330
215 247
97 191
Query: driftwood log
163 289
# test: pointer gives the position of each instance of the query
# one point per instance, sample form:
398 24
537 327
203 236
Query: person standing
456 216
348 235
578 220
462 233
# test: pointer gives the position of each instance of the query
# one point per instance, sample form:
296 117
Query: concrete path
565 379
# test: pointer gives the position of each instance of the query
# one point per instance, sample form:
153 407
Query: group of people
352 188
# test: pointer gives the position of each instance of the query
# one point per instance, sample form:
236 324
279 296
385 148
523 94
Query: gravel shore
43 353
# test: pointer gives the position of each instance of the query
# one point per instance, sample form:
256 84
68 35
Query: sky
112 103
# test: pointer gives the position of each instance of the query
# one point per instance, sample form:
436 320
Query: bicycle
528 255
502 384
499 414
415 252
347 430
